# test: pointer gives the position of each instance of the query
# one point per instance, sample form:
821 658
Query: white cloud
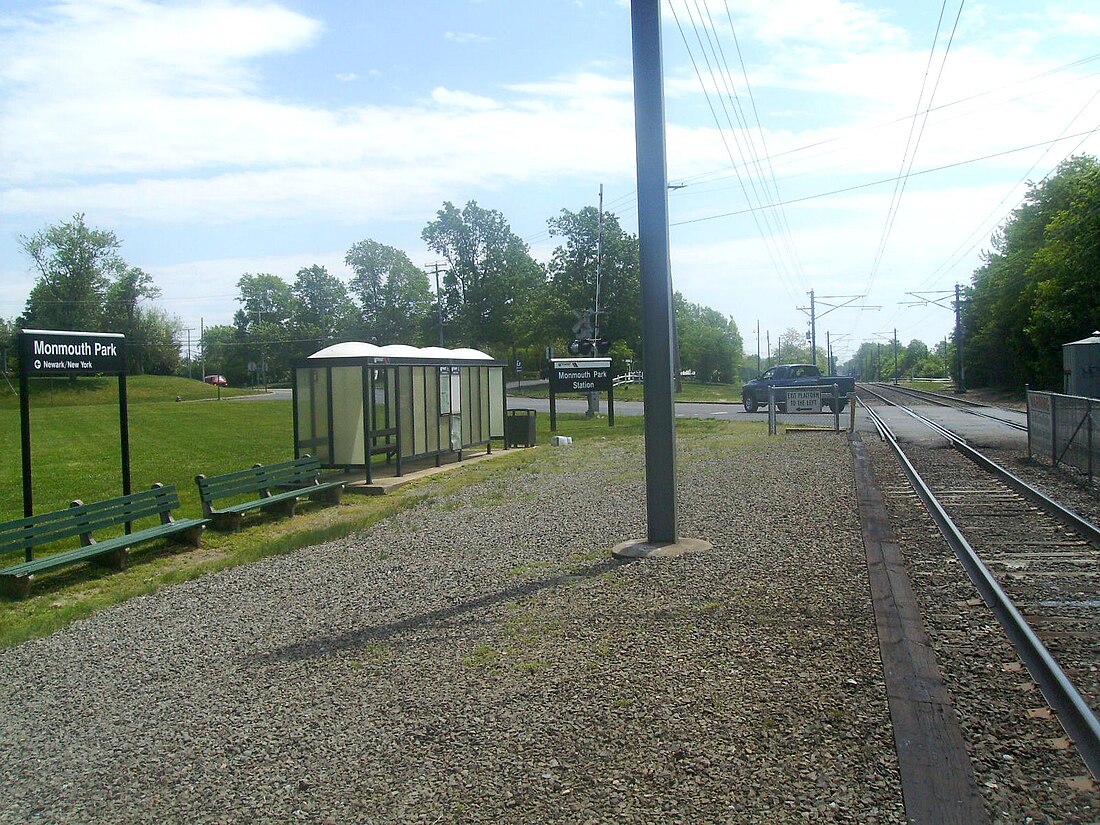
463 100
466 37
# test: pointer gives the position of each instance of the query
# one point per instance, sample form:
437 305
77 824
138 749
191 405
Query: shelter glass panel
432 398
419 404
405 410
347 415
496 402
313 431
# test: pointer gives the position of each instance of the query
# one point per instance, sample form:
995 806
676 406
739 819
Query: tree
490 274
153 345
710 343
1036 289
792 347
75 266
122 313
321 311
572 275
264 298
395 298
263 325
223 353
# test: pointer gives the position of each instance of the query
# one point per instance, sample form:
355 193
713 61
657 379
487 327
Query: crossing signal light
588 346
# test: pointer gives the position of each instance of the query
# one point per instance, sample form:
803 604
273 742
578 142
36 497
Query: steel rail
968 406
1070 519
1073 711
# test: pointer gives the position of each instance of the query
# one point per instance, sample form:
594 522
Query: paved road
683 409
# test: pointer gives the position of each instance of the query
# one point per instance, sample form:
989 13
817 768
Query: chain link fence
1061 428
808 407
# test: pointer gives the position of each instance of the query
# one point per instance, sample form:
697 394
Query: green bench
279 487
84 519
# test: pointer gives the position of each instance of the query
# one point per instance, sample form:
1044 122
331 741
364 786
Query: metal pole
895 356
959 341
656 271
25 432
757 346
439 304
813 331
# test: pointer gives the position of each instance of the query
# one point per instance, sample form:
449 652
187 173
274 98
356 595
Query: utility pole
813 331
895 356
189 359
438 299
757 346
202 349
961 388
769 339
848 300
594 397
599 266
929 299
885 336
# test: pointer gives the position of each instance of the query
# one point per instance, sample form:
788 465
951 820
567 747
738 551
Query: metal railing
1062 428
632 377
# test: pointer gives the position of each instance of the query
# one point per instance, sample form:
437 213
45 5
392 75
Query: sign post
47 353
585 375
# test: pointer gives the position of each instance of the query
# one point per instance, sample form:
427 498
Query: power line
882 181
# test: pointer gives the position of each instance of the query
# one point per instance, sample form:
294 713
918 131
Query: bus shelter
358 404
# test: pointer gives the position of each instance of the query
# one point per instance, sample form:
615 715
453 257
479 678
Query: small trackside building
360 406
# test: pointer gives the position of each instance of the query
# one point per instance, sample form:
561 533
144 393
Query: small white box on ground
561 440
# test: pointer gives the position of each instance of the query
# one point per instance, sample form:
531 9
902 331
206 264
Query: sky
865 151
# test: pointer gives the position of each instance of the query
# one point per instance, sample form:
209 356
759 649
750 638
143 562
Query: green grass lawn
692 391
76 455
140 389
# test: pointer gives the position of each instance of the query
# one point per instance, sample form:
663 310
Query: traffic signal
603 346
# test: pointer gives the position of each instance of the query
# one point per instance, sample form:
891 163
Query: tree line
1038 287
491 294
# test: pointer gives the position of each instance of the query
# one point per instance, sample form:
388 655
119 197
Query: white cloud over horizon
169 119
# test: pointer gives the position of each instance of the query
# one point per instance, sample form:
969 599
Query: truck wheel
843 404
781 406
750 404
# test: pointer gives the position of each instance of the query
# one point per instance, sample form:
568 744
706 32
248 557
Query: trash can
519 428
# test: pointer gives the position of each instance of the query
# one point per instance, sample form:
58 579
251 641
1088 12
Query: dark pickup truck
795 376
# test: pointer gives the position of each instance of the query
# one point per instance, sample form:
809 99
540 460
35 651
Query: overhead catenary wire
909 157
747 182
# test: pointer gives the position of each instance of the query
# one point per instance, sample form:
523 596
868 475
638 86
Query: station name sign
581 375
57 352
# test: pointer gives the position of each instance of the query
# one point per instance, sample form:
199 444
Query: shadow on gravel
361 638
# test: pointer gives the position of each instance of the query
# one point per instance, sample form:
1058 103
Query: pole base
644 549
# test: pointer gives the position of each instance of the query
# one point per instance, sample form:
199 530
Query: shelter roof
398 352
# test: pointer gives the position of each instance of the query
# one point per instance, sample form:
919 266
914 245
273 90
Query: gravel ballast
480 658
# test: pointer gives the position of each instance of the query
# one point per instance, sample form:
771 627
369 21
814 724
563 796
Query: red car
216 380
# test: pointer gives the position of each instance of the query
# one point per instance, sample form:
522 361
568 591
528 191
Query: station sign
580 375
804 400
59 352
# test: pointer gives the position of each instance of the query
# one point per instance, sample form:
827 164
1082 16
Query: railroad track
1035 564
883 392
